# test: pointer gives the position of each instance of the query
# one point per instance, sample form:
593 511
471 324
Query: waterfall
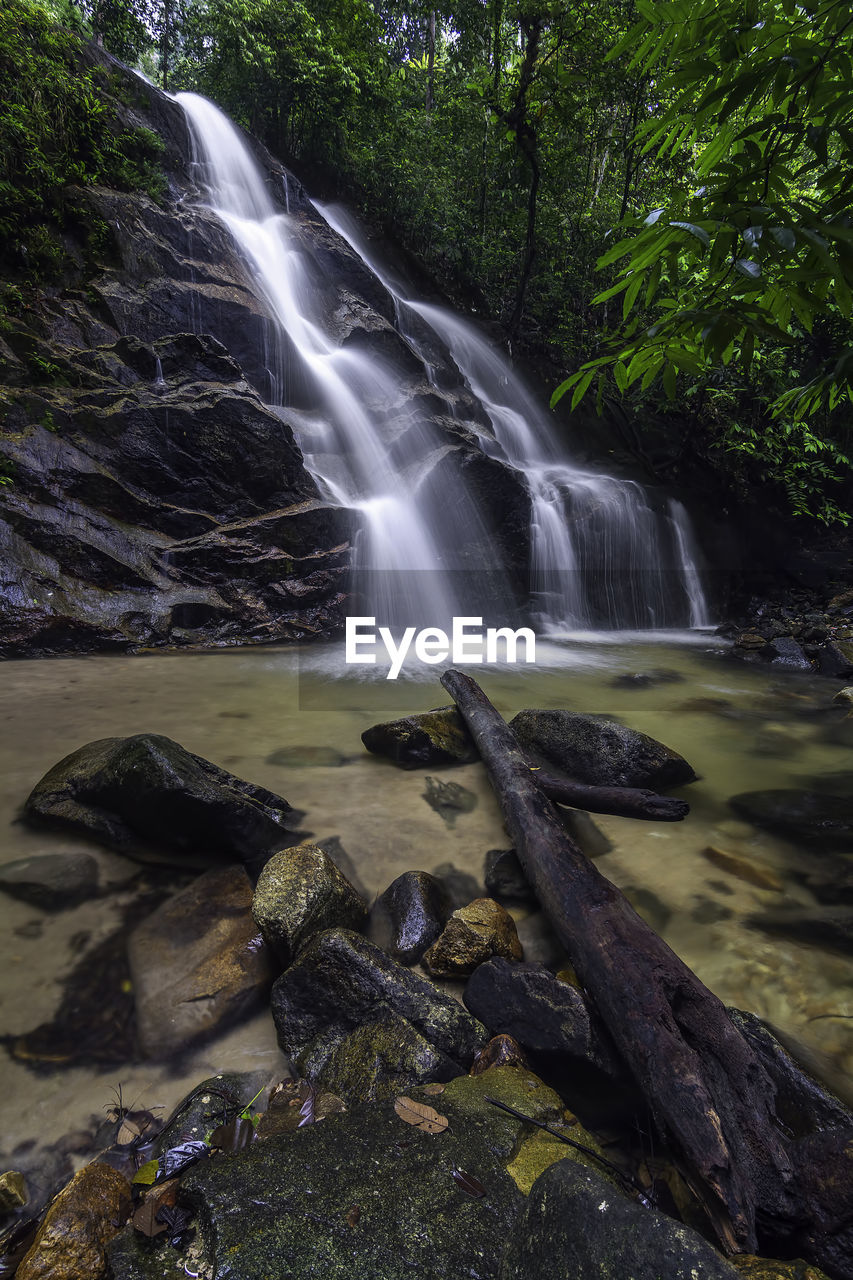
599 554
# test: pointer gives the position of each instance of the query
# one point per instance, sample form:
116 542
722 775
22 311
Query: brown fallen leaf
469 1184
501 1050
354 1215
420 1115
145 1217
433 1089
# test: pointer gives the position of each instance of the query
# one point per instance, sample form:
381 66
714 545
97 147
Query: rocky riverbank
408 1137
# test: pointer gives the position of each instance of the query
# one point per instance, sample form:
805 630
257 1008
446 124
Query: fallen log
708 1090
620 802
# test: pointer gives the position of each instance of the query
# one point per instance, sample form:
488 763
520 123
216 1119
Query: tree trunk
622 802
707 1089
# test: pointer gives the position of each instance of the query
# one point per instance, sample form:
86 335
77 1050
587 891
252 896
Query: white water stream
600 555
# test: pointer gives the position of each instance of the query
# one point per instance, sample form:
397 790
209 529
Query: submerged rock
448 799
504 877
340 982
430 738
72 1239
828 927
598 751
301 892
460 885
147 793
52 881
198 964
808 816
575 1225
757 873
410 915
473 934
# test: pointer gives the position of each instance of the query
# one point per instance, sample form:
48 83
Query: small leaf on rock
420 1115
145 1219
432 1089
179 1157
146 1173
234 1136
354 1215
469 1184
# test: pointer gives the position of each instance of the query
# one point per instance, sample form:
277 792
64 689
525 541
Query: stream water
282 719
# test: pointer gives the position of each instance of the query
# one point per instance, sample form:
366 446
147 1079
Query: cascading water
599 554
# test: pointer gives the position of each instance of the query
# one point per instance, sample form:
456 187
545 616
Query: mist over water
600 554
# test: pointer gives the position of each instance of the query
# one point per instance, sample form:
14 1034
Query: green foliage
753 252
58 128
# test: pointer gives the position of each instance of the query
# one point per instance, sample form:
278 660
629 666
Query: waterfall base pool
287 720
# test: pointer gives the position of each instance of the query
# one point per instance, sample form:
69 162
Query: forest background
648 202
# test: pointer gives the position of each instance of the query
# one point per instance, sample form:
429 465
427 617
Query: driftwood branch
622 802
707 1088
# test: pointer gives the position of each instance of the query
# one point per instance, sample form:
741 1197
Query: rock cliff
149 496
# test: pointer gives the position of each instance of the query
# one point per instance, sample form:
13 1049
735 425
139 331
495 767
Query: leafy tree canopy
758 244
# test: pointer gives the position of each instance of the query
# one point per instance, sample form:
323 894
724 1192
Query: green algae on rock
432 737
340 982
472 935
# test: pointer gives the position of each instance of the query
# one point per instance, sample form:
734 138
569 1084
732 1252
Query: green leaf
701 235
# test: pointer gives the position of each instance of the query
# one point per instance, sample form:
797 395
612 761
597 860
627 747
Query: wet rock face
72 1239
340 982
144 515
551 1021
575 1225
807 816
430 738
600 752
410 914
301 892
146 791
198 964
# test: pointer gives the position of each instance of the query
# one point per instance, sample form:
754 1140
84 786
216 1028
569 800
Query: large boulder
599 751
146 793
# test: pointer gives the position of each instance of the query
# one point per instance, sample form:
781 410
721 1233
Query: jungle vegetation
649 200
